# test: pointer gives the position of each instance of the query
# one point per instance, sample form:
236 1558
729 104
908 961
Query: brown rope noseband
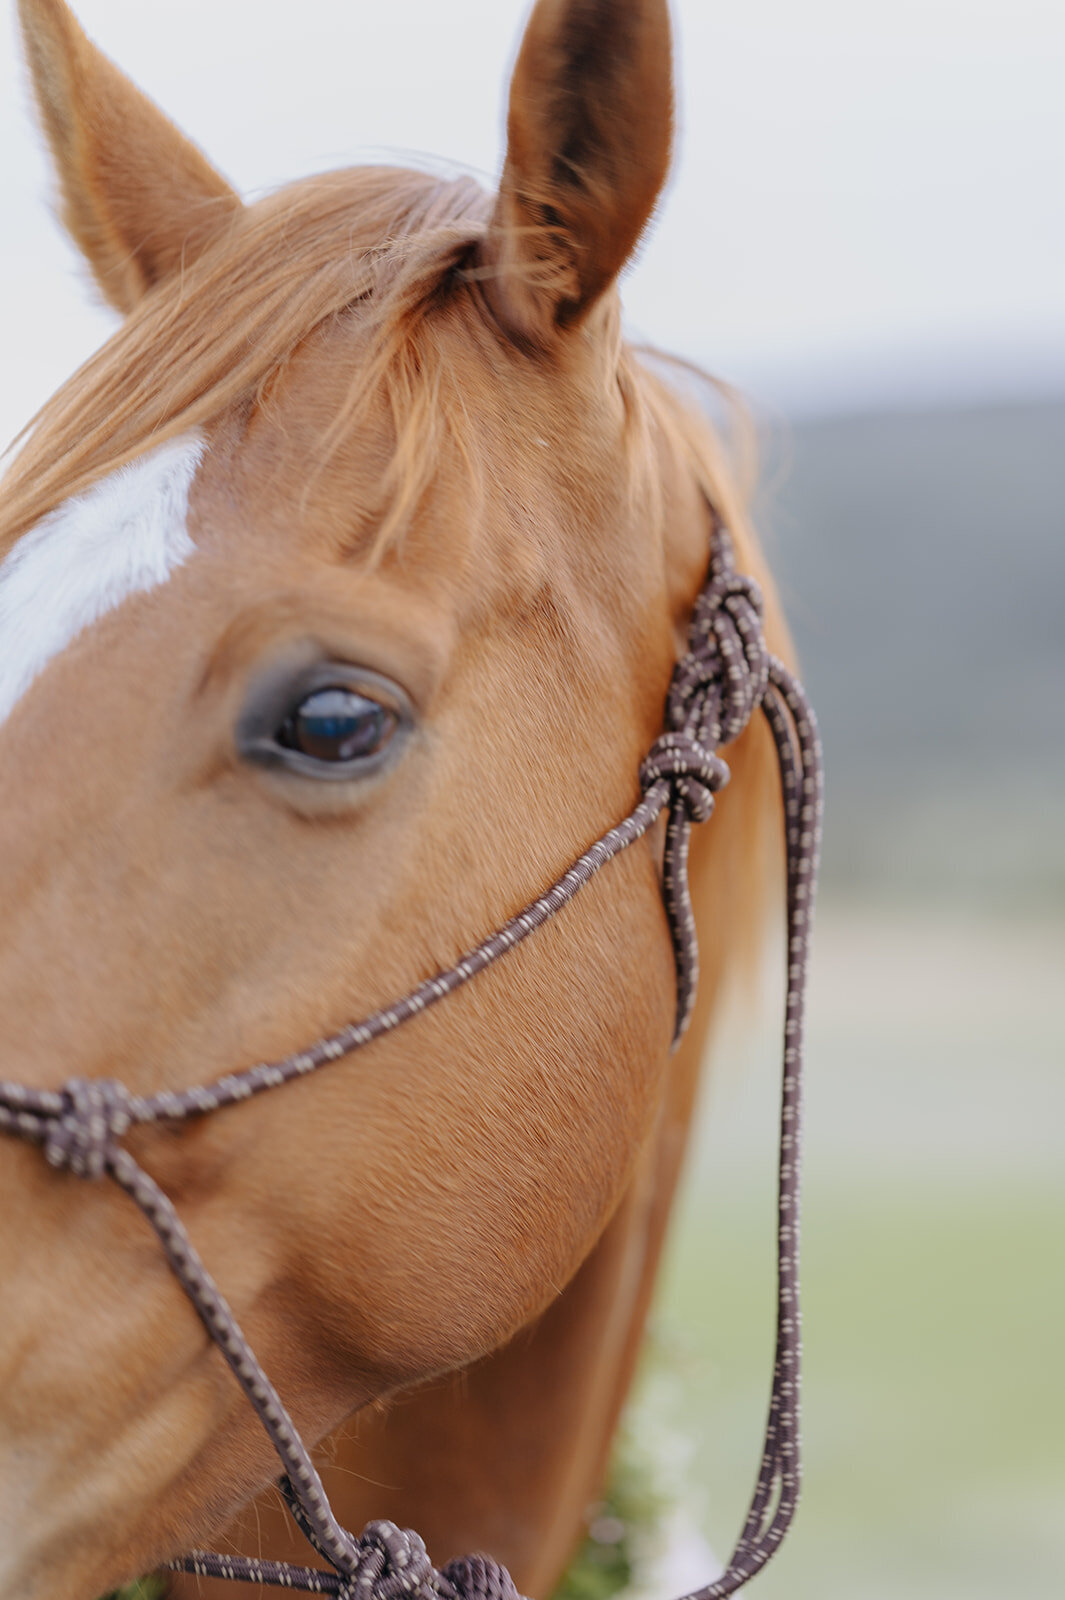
724 677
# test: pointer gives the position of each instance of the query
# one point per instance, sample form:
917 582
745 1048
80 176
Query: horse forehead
124 536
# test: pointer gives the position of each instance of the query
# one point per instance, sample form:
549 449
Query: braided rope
723 678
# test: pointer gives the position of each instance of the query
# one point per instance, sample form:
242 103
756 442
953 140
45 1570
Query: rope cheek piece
724 677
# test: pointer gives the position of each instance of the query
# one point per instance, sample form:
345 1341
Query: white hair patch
124 536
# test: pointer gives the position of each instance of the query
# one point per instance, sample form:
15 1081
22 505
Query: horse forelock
379 244
382 247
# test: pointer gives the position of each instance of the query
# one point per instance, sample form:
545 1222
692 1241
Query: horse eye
337 725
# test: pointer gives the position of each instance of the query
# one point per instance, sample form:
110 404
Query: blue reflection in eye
337 725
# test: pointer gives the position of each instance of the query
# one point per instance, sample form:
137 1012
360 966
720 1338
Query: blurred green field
934 1416
934 1270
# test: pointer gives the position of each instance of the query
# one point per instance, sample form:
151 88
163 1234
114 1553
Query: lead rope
723 678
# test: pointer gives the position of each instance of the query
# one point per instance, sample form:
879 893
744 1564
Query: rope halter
725 675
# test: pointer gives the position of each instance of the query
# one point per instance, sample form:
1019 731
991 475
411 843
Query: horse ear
137 197
589 133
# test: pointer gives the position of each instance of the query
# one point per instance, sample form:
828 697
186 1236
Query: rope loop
95 1115
693 772
721 681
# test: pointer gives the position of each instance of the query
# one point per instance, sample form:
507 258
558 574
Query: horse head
339 595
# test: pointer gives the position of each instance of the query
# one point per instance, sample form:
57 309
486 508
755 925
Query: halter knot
722 680
693 772
480 1578
392 1562
95 1115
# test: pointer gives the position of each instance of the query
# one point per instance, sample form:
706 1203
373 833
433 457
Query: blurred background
866 235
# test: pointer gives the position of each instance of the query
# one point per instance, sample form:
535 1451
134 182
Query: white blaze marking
124 536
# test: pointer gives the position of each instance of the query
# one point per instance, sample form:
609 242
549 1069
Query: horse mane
382 241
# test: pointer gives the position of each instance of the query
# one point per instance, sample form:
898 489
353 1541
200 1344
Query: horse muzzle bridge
724 677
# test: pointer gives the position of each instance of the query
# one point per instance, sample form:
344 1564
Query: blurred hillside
922 562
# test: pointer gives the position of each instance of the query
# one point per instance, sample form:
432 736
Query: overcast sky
868 204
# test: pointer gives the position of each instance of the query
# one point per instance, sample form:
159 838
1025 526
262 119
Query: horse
339 596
